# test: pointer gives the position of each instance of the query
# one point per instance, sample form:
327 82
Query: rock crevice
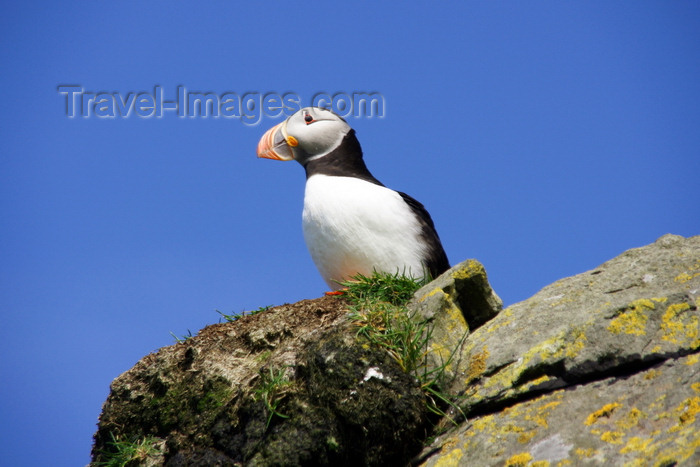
601 367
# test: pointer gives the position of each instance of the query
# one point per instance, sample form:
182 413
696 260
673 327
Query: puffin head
309 134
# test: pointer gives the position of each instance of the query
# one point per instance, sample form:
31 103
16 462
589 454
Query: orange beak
273 144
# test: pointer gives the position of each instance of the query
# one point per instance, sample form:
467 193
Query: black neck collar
344 161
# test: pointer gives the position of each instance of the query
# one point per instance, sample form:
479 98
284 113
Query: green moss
213 400
332 444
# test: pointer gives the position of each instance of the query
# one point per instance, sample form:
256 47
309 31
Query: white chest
352 226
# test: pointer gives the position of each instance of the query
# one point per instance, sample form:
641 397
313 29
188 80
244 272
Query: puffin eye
308 118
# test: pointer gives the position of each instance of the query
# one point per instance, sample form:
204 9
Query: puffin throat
343 161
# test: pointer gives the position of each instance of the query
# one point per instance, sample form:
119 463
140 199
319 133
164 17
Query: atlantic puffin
352 223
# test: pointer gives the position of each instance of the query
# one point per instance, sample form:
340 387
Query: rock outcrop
288 386
598 368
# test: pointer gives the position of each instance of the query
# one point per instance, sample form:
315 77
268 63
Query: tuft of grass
233 316
396 289
378 307
271 390
122 452
189 335
229 318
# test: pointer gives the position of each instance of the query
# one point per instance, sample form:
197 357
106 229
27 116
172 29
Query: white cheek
320 138
322 143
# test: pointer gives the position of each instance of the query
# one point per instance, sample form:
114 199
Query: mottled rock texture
602 368
340 401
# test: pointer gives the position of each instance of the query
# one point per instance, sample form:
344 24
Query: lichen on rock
602 368
616 349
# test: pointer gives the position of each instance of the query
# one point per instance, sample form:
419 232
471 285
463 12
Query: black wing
436 260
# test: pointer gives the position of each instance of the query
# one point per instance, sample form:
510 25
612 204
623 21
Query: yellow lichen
512 428
651 374
540 464
471 269
514 411
696 387
578 344
494 325
477 365
521 422
450 460
604 411
537 381
435 291
684 277
687 410
612 437
633 320
631 419
692 359
567 343
636 444
480 425
519 460
675 330
526 437
684 446
456 318
645 303
658 403
540 416
448 444
442 352
584 453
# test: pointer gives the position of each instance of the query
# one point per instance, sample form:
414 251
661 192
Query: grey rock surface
455 304
602 368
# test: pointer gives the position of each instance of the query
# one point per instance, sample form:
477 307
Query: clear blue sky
543 137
